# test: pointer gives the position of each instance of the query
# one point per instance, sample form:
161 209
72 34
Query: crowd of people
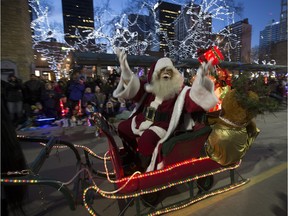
66 102
71 102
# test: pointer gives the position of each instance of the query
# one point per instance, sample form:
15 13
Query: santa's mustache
166 88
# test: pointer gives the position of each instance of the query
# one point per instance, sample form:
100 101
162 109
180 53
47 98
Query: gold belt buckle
150 113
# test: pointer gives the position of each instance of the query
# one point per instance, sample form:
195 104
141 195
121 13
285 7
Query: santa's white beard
166 89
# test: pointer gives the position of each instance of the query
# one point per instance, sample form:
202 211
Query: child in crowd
101 98
37 111
76 118
90 97
90 109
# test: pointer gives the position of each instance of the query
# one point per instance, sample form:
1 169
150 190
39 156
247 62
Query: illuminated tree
115 29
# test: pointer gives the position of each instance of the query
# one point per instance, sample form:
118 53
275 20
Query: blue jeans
15 110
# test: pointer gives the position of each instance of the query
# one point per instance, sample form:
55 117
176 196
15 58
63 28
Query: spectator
73 78
98 81
88 96
14 99
108 88
280 89
101 98
60 88
76 118
109 111
49 101
90 83
116 103
33 89
122 106
90 109
37 111
76 89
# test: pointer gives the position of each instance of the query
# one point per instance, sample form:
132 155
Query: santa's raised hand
126 72
202 75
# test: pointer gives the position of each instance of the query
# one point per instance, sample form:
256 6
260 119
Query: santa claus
162 101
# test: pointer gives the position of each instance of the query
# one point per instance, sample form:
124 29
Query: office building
270 34
78 20
283 21
239 49
268 44
166 13
273 39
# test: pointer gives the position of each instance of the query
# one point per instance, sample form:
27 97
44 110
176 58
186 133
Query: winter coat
33 90
76 90
89 97
14 91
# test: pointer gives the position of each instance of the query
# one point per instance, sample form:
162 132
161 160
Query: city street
265 164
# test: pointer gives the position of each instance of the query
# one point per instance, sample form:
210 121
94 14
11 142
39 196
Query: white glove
204 70
126 72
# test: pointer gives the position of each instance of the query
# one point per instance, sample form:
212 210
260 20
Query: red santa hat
156 67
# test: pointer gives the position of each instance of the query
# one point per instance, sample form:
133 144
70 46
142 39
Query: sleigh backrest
185 145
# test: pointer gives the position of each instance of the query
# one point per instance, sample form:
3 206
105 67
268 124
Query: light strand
142 192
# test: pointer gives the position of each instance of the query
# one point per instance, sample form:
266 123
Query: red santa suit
154 118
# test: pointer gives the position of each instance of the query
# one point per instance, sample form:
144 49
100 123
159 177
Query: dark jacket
14 91
33 90
76 90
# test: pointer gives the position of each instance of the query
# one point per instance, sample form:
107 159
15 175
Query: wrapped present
213 53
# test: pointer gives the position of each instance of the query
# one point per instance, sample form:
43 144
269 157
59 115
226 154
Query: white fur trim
146 124
157 101
159 131
188 123
160 165
127 91
148 87
163 62
143 126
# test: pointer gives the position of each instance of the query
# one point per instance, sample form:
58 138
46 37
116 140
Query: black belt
151 114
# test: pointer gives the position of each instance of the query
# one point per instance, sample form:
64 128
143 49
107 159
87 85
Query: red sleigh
184 161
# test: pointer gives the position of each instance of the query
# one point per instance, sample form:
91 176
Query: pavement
265 164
